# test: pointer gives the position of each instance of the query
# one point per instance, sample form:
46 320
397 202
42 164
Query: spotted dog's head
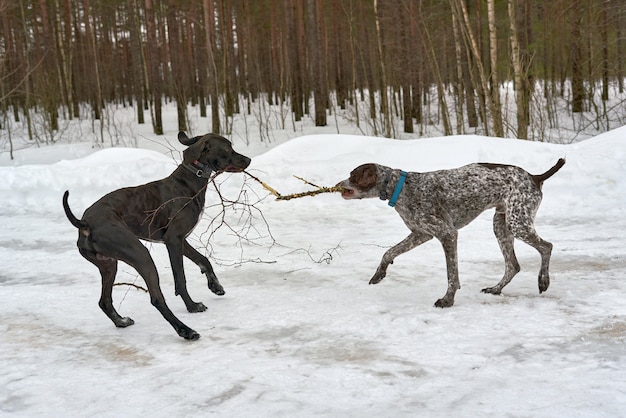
362 183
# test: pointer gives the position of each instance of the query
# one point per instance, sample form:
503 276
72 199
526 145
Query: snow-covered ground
299 332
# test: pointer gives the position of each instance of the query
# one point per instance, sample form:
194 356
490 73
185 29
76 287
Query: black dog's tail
73 219
540 178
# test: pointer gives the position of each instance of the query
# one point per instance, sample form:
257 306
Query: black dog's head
213 151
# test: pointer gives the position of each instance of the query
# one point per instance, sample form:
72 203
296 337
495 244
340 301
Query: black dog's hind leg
108 270
117 242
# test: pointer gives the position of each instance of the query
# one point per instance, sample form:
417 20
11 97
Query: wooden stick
267 187
319 190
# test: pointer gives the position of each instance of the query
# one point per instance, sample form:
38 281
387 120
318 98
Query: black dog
164 211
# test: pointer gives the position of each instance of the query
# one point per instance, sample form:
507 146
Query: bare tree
209 27
152 63
518 70
384 99
496 105
576 58
317 70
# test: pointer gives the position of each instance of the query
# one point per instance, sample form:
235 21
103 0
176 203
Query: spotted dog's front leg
407 244
449 242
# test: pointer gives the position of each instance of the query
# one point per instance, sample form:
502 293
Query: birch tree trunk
458 7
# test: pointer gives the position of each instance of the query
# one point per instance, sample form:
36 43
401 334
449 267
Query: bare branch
131 285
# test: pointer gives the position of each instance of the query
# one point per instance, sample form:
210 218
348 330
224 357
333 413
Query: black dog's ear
194 152
185 140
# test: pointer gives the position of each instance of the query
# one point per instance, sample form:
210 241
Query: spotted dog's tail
540 178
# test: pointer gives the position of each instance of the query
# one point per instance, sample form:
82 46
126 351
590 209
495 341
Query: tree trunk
620 48
458 7
459 74
153 67
436 72
384 99
518 70
498 129
320 95
47 88
578 87
209 27
176 64
604 35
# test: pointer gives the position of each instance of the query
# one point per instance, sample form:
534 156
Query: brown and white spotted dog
437 204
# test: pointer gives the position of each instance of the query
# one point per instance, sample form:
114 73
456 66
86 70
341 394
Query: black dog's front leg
175 251
205 267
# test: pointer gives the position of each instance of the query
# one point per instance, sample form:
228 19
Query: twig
326 257
132 285
307 182
246 229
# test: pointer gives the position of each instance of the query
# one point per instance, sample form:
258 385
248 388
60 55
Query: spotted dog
439 203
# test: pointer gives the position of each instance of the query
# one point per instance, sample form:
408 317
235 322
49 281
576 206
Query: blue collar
398 189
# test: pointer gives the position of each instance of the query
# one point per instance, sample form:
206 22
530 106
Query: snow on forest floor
300 332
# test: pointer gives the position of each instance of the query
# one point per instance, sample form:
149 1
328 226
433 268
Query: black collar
199 169
383 190
396 191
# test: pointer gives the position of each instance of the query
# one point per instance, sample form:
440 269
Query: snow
300 332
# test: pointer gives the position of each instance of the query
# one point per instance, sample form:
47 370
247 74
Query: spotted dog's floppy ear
364 177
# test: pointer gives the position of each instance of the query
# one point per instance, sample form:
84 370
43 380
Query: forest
506 68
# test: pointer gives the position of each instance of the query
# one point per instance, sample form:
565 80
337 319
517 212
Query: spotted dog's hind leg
505 240
520 220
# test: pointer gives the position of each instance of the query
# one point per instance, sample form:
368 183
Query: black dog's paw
216 287
124 322
196 307
193 336
188 334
